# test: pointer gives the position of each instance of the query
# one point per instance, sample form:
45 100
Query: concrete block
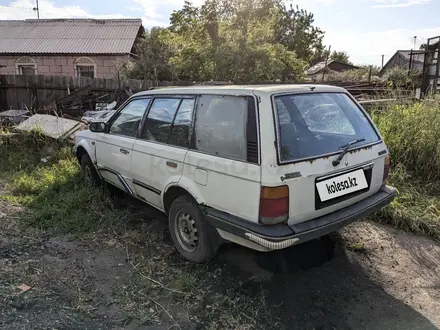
8 70
63 61
42 69
55 69
110 63
68 70
103 69
48 61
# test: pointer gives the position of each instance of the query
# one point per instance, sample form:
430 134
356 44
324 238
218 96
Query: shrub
412 133
398 77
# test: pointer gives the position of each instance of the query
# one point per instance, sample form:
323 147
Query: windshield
310 125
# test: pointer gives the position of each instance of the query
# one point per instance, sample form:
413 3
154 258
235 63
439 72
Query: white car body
229 189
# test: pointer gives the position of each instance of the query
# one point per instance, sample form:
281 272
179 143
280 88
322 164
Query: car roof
242 89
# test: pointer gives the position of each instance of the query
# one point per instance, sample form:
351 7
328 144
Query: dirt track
367 277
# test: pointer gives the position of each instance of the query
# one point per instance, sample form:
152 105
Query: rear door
113 149
222 165
158 154
312 131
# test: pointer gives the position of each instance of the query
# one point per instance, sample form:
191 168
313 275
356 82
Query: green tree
152 58
237 40
340 57
295 30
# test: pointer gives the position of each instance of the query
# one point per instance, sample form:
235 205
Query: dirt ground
366 277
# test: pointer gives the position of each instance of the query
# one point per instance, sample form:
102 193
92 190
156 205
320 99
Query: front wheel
192 236
88 171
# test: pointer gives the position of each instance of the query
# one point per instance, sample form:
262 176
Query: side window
220 127
159 119
129 118
180 130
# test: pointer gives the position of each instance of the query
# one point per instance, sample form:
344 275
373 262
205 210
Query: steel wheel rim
186 231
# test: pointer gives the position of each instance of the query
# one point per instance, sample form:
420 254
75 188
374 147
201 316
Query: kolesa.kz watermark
346 184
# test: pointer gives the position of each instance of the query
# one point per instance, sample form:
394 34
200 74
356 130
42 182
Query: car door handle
124 151
172 164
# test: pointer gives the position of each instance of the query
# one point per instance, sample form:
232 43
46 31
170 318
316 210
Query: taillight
386 169
274 205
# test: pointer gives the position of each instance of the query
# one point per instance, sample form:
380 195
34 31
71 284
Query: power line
18 7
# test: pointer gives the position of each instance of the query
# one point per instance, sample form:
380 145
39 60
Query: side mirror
98 127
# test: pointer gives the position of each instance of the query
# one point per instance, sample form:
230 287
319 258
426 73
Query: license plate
341 185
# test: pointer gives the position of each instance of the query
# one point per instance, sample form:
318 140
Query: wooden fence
38 91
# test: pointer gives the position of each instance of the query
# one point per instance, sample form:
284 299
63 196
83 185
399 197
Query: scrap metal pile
61 119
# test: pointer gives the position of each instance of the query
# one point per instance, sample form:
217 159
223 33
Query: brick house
67 47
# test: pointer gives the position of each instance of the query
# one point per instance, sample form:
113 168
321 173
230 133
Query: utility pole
37 9
382 60
326 62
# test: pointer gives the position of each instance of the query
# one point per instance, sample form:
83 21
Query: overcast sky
364 28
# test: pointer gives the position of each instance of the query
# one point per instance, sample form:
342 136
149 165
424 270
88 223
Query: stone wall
64 65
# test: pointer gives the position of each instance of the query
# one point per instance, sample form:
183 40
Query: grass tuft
56 196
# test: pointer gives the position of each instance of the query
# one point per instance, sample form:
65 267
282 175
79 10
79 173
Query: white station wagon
266 167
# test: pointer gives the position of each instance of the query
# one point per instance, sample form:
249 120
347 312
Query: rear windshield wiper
337 161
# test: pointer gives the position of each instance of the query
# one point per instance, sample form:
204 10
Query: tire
208 240
89 172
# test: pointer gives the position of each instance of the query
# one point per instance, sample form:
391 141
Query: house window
26 66
27 69
85 67
85 71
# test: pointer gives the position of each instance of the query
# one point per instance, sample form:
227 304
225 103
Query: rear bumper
282 236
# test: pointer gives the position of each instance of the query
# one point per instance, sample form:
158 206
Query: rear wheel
192 236
89 172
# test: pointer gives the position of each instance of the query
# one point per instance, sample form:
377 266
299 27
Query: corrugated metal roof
321 65
69 36
416 56
317 67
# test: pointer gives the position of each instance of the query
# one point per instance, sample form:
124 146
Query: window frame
83 65
20 67
25 61
182 97
277 128
112 119
84 61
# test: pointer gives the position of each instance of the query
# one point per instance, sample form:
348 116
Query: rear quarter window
220 127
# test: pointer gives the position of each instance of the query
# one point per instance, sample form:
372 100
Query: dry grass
159 288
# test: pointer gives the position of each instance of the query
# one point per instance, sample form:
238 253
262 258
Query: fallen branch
163 308
154 281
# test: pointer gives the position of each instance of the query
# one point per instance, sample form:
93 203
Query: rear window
310 125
